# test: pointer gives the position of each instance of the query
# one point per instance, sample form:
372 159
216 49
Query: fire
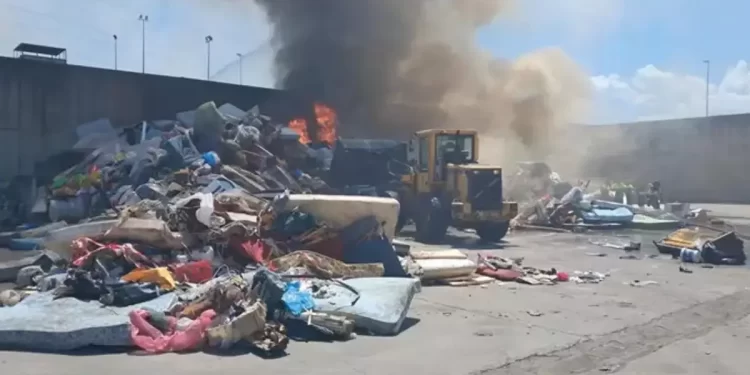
327 122
299 125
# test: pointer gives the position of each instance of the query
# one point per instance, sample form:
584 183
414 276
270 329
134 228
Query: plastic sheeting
39 323
617 215
381 306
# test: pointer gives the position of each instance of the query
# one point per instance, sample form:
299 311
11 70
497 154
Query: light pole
239 56
708 70
143 19
114 36
209 39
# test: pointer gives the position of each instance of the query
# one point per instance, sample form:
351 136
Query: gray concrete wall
697 160
41 103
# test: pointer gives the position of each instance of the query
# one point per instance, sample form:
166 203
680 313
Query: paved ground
686 324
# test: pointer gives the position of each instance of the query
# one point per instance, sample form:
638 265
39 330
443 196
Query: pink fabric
83 253
150 339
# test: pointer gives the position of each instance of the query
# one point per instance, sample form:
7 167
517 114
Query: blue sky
644 58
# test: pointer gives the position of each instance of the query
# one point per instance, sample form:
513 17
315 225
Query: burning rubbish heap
196 233
213 231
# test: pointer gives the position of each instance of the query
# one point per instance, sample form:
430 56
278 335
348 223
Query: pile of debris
548 202
201 233
704 245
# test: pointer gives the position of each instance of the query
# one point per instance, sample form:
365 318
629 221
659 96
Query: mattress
42 324
339 211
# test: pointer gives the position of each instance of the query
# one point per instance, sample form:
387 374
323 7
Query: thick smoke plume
391 67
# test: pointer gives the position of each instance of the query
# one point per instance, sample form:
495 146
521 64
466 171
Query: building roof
36 48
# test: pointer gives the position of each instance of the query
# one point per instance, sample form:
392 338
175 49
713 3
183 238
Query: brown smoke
391 67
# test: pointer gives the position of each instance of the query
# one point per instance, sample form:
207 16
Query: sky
645 59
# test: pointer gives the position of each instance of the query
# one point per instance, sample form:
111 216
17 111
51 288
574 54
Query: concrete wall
41 103
697 160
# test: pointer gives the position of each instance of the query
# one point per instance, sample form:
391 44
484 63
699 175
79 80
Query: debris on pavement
588 277
505 269
704 245
219 229
633 245
642 283
444 265
205 233
548 203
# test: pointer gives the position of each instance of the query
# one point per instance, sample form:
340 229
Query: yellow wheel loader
445 186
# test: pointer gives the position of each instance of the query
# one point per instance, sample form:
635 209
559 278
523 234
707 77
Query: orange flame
299 125
327 122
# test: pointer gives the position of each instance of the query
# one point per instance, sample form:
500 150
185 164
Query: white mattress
338 211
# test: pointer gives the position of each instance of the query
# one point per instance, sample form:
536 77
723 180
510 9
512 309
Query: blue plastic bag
297 301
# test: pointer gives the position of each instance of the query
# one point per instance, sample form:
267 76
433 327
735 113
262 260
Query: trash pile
507 269
504 269
704 245
548 202
194 235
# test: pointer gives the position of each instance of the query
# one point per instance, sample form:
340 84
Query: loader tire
493 232
432 222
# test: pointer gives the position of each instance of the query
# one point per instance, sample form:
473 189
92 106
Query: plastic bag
205 208
297 301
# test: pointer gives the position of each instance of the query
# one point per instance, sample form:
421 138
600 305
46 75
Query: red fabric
150 339
563 276
255 250
193 272
502 275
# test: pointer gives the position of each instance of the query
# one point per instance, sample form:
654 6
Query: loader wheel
432 222
493 232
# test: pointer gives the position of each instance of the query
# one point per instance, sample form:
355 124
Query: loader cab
430 152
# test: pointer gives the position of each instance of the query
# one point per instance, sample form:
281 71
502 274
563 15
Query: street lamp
708 70
114 36
143 19
239 56
209 39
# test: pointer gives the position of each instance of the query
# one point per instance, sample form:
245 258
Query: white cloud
652 93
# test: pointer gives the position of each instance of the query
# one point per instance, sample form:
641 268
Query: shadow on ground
461 240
